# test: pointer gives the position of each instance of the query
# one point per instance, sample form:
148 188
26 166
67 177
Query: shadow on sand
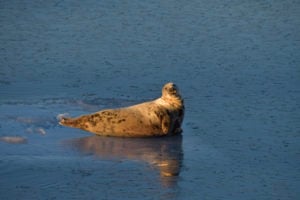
162 153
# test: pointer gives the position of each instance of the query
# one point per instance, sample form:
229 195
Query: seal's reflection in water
163 153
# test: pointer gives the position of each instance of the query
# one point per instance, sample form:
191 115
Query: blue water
235 62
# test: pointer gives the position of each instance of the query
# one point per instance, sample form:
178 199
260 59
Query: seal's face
170 90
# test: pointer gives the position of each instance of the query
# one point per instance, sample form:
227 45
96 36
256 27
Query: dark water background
236 63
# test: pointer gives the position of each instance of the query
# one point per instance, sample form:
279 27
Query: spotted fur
159 117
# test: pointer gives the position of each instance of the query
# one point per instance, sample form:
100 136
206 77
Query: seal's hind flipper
72 122
78 122
65 121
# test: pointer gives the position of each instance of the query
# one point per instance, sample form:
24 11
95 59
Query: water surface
236 63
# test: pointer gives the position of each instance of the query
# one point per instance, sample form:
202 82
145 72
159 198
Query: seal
160 117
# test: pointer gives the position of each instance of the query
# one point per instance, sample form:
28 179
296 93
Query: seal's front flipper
165 125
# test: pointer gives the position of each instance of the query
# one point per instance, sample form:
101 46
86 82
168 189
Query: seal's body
160 117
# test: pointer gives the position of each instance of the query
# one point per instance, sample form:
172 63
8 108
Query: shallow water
236 63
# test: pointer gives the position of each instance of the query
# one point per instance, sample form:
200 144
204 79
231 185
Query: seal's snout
173 89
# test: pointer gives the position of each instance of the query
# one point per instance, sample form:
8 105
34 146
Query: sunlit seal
159 117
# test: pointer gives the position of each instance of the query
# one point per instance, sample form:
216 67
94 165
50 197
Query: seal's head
170 92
